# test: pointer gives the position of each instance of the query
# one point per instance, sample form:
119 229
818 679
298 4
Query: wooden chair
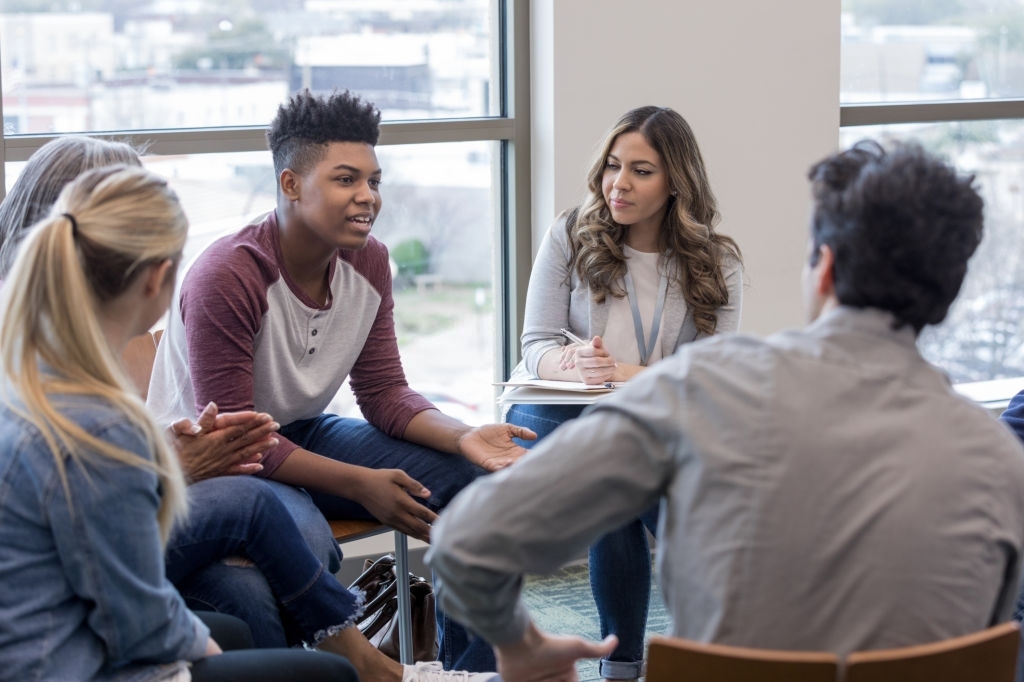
348 530
986 656
671 659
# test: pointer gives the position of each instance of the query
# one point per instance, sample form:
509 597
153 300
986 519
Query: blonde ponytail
104 228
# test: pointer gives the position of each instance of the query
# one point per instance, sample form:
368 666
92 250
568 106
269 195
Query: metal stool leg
404 599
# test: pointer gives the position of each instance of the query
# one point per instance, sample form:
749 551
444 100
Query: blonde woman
89 487
226 444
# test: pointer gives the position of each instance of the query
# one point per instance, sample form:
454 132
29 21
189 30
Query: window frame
940 111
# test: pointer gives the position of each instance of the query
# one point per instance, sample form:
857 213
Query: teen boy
277 315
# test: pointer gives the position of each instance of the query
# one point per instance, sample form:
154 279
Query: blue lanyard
638 324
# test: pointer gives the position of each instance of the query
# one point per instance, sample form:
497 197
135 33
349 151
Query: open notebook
547 392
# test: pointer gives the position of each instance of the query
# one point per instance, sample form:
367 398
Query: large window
947 73
115 65
197 81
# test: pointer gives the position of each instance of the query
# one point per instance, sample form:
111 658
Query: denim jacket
84 592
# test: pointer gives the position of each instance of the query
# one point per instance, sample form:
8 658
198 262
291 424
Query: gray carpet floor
562 604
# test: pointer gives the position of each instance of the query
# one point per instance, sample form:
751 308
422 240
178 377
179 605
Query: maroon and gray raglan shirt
242 334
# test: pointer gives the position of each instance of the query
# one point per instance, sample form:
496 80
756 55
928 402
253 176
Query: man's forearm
487 601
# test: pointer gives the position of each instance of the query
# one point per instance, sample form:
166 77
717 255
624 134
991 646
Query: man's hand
223 444
490 446
540 657
388 495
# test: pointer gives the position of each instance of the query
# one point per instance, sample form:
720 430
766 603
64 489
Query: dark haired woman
635 271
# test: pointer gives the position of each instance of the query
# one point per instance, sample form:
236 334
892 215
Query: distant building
889 63
407 75
57 48
393 71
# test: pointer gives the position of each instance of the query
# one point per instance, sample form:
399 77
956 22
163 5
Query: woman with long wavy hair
634 272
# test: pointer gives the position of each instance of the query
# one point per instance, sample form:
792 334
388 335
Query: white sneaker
435 672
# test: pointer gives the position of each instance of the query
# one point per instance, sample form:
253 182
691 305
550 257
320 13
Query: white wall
758 82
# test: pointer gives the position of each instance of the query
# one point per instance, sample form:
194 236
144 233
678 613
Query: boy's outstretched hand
491 446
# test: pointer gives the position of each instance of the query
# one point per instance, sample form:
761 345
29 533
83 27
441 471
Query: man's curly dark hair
901 224
307 123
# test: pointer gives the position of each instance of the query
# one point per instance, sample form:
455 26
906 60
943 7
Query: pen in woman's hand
572 337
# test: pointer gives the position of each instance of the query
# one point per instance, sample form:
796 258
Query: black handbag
379 622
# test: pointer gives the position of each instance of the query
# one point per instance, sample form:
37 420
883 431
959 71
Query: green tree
247 42
412 258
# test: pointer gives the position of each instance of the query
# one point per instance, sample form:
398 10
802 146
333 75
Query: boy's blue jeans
620 561
355 441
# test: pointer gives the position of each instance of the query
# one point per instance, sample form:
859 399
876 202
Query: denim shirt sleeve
109 543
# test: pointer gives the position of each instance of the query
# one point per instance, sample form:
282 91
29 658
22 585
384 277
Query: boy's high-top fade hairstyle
307 123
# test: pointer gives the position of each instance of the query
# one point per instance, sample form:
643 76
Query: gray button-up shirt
822 489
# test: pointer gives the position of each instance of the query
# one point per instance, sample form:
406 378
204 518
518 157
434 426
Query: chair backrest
670 659
986 656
